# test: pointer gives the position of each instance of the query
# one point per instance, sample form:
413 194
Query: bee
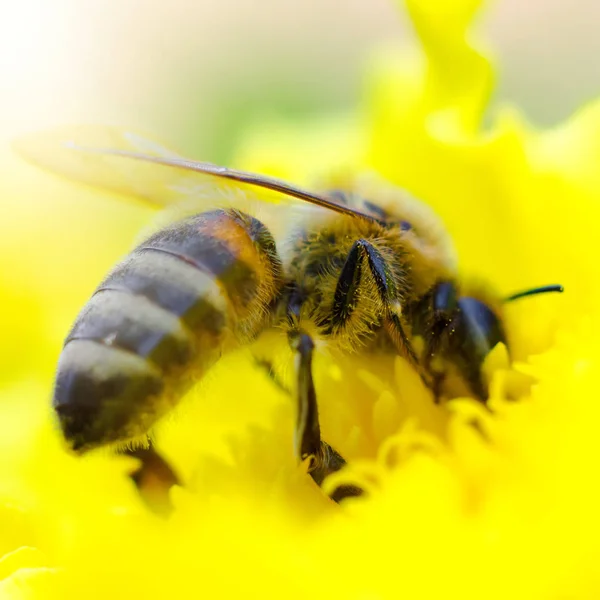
368 269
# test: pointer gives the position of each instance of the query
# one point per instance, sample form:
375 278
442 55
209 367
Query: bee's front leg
324 459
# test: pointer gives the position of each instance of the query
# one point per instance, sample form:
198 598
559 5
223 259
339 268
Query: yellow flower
463 502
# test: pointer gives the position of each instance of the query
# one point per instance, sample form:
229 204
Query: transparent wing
60 151
127 163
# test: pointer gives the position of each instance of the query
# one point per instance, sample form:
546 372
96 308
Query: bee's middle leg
324 459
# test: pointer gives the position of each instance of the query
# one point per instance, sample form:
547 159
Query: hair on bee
373 273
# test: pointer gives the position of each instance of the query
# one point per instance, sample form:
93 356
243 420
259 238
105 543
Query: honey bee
367 269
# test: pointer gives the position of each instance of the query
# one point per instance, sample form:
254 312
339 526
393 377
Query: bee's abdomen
122 319
160 316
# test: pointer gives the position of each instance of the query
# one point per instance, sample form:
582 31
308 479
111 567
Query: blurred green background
194 72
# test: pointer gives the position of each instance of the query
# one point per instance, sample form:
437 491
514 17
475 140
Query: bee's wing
66 151
128 164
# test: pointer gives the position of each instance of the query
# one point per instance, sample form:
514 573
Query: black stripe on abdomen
174 285
135 331
135 324
196 242
102 394
161 314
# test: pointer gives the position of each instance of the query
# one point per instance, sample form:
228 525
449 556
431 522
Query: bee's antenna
533 291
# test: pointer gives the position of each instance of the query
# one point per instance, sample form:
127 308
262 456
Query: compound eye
482 329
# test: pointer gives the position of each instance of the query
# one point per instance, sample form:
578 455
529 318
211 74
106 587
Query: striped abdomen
162 317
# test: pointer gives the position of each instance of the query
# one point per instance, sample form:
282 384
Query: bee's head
466 329
474 331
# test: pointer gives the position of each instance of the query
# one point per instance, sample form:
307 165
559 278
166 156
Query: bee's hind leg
153 478
324 459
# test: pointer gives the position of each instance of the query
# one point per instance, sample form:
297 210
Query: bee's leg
324 459
346 294
153 479
267 367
